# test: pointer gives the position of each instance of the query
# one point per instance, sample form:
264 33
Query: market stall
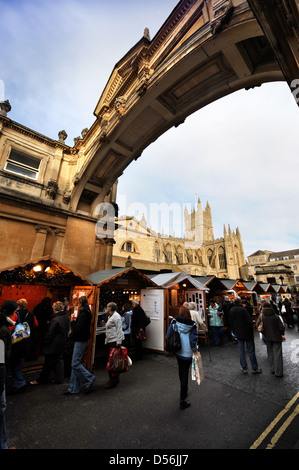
122 285
180 288
40 279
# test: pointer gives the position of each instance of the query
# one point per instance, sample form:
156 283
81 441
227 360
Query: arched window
222 258
157 251
199 257
237 255
129 246
180 256
211 259
168 254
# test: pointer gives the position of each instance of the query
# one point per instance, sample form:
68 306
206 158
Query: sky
239 153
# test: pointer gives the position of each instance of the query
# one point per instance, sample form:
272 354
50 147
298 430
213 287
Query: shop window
23 164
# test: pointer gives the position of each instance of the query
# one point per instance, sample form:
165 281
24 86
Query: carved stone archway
205 50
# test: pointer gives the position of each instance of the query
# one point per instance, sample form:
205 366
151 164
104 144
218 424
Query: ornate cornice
35 135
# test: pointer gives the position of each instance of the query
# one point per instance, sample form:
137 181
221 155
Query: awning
106 276
168 280
42 271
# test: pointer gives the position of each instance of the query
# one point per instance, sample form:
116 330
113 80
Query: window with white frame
23 164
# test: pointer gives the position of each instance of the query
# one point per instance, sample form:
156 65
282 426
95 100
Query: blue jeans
218 332
79 375
3 438
251 352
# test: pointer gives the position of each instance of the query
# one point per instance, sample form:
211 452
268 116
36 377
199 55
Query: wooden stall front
119 285
182 288
38 279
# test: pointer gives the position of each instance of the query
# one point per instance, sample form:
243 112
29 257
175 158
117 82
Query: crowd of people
238 320
52 330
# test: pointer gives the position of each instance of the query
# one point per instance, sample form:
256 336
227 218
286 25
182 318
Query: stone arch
203 52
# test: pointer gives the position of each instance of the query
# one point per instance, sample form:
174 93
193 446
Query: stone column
40 241
98 263
109 244
58 243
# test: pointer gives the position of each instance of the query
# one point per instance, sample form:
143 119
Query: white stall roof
168 280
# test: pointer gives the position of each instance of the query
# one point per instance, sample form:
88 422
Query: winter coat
114 331
81 327
197 319
188 334
126 320
5 336
215 318
138 319
56 336
273 327
241 323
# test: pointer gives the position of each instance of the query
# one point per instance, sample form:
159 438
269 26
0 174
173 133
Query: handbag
118 360
260 327
173 343
142 335
21 331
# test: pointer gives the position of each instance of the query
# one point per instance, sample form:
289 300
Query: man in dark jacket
242 327
6 311
80 334
273 331
54 344
139 323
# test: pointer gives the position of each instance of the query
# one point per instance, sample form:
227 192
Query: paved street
229 410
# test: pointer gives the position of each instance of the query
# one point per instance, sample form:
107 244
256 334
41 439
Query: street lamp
281 279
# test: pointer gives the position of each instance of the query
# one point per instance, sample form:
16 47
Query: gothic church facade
198 253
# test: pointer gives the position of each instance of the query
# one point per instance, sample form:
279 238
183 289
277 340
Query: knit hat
8 307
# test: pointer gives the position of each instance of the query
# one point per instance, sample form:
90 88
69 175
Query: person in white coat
114 337
196 317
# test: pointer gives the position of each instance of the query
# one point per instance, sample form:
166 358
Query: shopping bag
197 372
21 331
118 360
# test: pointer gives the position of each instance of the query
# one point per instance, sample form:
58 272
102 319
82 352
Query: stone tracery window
130 247
168 254
157 251
211 259
222 258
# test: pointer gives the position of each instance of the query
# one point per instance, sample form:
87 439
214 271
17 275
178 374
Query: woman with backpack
188 338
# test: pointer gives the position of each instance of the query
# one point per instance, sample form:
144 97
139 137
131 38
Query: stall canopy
214 284
117 275
42 271
168 280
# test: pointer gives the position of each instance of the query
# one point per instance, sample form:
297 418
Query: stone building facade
275 267
37 215
198 253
